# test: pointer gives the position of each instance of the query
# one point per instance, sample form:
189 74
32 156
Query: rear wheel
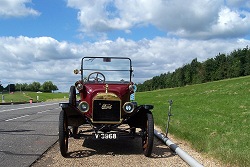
63 133
75 132
148 135
72 96
72 101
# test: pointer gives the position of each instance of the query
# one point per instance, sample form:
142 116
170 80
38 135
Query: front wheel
63 133
148 135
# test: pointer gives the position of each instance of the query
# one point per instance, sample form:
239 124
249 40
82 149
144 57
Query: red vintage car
106 102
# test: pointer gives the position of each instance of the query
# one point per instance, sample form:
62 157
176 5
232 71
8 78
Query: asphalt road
26 132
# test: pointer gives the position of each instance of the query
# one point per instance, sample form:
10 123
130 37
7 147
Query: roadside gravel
118 153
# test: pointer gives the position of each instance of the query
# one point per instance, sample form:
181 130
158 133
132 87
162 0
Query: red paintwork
91 89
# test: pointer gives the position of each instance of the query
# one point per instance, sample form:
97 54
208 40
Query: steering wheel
96 78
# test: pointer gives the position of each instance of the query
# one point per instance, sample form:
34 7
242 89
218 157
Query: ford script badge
106 106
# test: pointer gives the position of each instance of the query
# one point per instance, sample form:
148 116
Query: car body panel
105 104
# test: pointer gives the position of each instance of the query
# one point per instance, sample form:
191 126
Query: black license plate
106 136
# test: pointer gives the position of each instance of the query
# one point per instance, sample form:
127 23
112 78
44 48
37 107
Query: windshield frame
106 59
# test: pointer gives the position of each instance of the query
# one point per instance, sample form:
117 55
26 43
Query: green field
214 117
26 96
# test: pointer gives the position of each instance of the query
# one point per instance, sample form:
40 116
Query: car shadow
92 147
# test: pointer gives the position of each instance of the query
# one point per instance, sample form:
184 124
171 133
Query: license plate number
106 136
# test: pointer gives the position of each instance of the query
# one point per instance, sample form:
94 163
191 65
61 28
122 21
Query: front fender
73 115
139 118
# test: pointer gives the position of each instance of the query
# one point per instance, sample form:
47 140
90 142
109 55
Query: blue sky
45 40
54 20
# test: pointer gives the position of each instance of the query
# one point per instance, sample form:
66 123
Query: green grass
26 96
214 117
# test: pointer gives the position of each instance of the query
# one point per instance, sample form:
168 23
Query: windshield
117 69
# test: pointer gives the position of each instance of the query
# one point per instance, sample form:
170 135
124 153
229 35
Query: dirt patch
116 153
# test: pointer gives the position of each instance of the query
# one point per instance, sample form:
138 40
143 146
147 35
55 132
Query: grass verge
214 117
26 96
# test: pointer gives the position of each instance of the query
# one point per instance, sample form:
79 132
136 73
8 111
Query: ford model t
106 105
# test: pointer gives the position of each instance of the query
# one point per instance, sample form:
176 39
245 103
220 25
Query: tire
72 96
63 133
148 137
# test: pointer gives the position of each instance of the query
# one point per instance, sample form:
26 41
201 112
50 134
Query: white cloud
93 16
35 49
229 21
16 8
238 3
25 59
190 19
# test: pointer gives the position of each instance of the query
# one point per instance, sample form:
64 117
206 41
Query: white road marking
28 107
16 118
40 112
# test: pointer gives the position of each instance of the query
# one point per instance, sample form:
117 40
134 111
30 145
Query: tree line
223 66
47 86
